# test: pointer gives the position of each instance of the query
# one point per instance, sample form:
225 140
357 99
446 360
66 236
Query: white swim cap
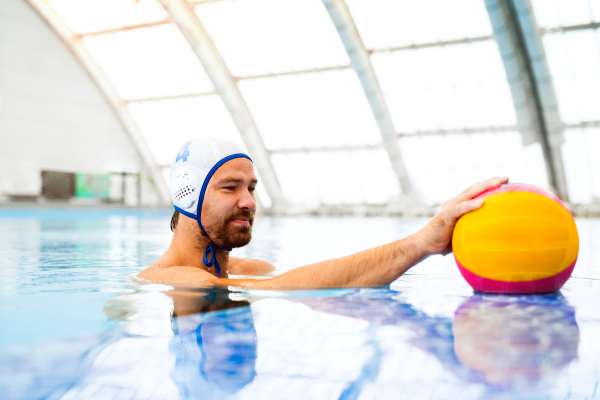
191 170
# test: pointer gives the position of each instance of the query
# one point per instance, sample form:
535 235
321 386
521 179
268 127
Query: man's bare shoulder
249 266
177 274
164 271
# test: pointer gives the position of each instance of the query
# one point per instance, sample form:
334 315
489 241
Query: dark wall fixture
58 185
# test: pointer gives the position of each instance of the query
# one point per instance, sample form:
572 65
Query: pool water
75 325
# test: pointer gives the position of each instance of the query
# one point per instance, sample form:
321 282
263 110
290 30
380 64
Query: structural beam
583 125
570 28
437 132
462 131
123 28
174 97
438 43
297 72
182 14
95 72
195 3
530 82
361 62
329 149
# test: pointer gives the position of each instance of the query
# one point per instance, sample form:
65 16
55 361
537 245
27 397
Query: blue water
74 325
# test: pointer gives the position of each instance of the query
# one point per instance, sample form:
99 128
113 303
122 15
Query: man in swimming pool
212 186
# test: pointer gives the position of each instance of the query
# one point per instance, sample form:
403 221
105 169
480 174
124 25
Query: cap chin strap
213 256
210 249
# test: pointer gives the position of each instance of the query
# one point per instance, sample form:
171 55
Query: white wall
52 116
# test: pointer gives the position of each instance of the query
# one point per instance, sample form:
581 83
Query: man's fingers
478 188
482 186
462 208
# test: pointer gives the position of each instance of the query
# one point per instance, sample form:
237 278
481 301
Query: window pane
582 164
574 61
311 110
166 174
443 166
552 13
297 178
391 23
353 177
168 124
375 177
97 15
149 62
445 87
266 36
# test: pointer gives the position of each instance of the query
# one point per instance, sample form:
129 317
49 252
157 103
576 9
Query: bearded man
212 186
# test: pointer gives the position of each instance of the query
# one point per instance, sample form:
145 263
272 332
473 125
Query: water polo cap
191 170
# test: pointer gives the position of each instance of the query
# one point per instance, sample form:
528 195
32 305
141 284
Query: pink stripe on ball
545 285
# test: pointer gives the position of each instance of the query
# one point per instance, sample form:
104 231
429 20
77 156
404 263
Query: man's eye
251 190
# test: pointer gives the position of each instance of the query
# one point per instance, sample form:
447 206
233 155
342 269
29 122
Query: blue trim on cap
211 247
187 214
207 179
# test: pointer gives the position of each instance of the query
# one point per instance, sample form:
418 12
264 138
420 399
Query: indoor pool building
143 143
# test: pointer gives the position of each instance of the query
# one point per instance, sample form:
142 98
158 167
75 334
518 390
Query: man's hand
436 237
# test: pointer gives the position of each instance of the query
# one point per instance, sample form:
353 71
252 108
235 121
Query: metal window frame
439 43
123 28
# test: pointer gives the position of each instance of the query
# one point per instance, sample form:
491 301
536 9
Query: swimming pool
75 326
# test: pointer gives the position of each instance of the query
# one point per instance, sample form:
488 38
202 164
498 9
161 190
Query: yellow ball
522 240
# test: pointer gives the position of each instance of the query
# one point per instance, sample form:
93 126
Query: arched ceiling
438 66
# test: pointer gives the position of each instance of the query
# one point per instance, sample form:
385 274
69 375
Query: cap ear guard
184 189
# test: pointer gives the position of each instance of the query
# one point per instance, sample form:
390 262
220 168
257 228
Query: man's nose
247 201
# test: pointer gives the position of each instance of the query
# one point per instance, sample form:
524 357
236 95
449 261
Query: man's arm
378 266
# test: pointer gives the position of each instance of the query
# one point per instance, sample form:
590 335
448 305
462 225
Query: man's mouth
243 221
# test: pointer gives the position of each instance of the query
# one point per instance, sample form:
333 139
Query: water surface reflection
515 341
215 351
503 342
493 345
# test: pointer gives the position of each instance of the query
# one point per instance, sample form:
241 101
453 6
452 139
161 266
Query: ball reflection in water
515 340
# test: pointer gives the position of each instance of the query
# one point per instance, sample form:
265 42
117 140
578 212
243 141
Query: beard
228 234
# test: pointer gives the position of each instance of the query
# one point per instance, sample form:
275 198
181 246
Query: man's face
229 204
